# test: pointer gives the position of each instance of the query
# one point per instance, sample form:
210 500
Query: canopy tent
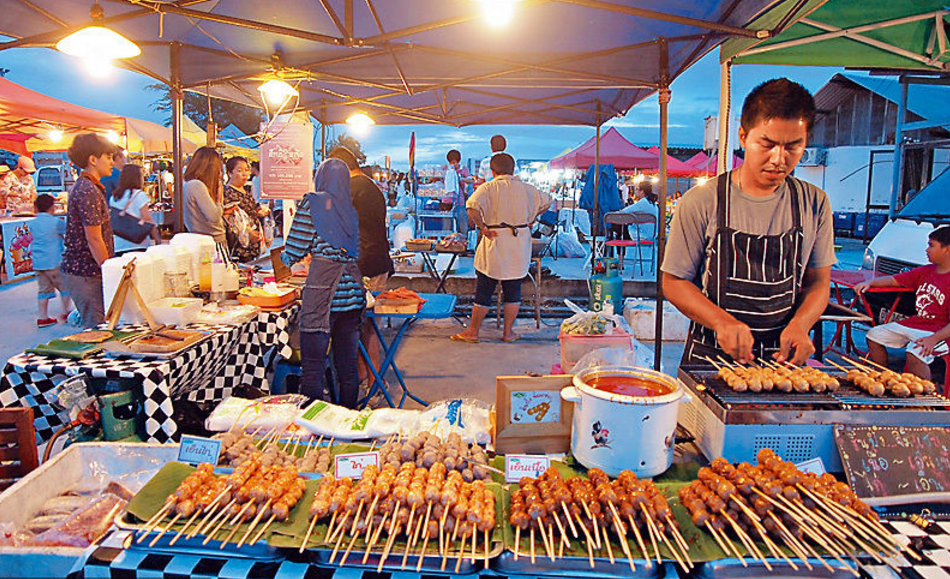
706 165
855 33
614 150
234 136
674 167
149 138
932 203
27 117
413 61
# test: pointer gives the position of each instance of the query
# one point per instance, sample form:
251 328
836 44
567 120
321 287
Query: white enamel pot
614 432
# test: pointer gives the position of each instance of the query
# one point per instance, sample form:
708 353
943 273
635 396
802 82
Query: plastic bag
640 356
85 526
567 244
467 417
240 226
264 413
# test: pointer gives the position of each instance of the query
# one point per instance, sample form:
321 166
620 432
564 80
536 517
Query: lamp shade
98 42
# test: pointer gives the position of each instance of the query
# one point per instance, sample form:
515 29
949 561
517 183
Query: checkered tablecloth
232 356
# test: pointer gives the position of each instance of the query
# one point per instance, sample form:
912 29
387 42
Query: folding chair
640 219
549 225
622 219
18 456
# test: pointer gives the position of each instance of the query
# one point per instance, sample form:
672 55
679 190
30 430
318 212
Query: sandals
460 338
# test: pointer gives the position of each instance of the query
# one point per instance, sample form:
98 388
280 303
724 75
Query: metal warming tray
736 425
576 566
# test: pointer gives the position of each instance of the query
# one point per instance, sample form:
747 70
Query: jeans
345 334
87 295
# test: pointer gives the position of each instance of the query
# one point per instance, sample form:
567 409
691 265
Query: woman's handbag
129 227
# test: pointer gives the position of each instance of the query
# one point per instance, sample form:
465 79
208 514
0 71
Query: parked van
55 180
902 242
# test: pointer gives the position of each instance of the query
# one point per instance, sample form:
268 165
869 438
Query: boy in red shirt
923 335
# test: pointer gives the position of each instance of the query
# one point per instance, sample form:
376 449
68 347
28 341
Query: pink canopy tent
614 150
707 165
674 167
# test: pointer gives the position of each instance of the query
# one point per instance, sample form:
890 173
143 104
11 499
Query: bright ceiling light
98 42
277 92
112 136
498 13
56 135
360 122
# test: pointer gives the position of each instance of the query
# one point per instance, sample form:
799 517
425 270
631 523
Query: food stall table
429 259
436 307
230 357
848 278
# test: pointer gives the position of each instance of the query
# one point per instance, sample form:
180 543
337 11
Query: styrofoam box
89 465
177 311
639 314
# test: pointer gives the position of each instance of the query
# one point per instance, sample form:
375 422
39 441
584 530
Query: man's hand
862 287
489 233
927 344
735 338
794 345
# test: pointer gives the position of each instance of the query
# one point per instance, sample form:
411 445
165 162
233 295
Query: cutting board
168 348
77 350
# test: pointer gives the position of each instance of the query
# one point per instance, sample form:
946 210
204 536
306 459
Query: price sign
352 465
815 466
518 466
196 449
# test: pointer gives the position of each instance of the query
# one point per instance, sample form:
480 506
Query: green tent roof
871 34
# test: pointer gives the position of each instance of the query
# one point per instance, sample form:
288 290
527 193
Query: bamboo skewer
422 551
461 555
570 520
260 533
517 541
622 536
610 551
746 539
306 538
163 531
150 524
651 528
336 547
532 546
182 530
640 544
250 528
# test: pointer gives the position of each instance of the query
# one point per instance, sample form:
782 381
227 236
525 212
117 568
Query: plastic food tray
92 464
575 566
193 546
431 564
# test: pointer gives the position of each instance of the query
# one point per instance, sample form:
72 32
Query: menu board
891 465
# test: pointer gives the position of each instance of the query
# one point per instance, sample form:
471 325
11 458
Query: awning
867 34
414 61
614 150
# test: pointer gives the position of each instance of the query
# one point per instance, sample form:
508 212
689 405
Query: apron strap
723 237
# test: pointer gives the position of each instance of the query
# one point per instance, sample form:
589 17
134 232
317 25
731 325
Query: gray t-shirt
694 225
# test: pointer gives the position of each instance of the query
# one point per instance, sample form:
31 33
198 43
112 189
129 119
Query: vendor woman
326 227
750 253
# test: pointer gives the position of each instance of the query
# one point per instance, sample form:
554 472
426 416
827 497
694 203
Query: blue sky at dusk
695 97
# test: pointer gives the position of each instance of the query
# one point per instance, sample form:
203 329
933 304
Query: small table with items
436 307
231 356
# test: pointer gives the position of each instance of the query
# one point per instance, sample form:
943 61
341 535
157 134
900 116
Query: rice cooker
614 432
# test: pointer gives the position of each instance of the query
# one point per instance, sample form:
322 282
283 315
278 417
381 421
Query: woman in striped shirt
326 228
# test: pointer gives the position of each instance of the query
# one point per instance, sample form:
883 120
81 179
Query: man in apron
749 254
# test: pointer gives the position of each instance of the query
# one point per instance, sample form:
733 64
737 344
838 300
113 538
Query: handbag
129 227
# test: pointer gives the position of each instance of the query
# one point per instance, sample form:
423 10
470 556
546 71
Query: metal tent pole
897 182
177 160
595 221
725 108
661 218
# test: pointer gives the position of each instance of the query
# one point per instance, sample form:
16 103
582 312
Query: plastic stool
282 370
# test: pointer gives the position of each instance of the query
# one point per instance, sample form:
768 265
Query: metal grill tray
846 396
733 569
193 546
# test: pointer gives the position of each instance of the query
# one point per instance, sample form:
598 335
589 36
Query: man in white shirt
503 210
498 145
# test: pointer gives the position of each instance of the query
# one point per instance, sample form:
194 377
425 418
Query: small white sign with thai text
518 466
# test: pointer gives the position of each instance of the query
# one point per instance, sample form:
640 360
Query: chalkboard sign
892 465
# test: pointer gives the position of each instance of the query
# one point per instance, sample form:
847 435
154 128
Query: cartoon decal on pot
600 435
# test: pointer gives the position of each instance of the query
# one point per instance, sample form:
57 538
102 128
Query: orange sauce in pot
628 386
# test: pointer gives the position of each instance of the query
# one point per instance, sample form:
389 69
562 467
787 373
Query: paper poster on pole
286 159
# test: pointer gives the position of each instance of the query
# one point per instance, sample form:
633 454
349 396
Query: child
924 334
48 231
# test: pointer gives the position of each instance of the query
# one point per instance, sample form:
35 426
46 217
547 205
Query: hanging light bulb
98 42
360 122
498 13
112 136
56 135
277 91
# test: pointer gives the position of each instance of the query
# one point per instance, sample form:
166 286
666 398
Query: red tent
614 150
707 165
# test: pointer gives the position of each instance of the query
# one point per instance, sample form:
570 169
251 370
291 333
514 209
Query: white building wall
844 177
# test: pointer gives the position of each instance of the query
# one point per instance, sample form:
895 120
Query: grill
736 425
888 266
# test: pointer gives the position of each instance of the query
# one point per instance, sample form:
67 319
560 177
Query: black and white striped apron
755 278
